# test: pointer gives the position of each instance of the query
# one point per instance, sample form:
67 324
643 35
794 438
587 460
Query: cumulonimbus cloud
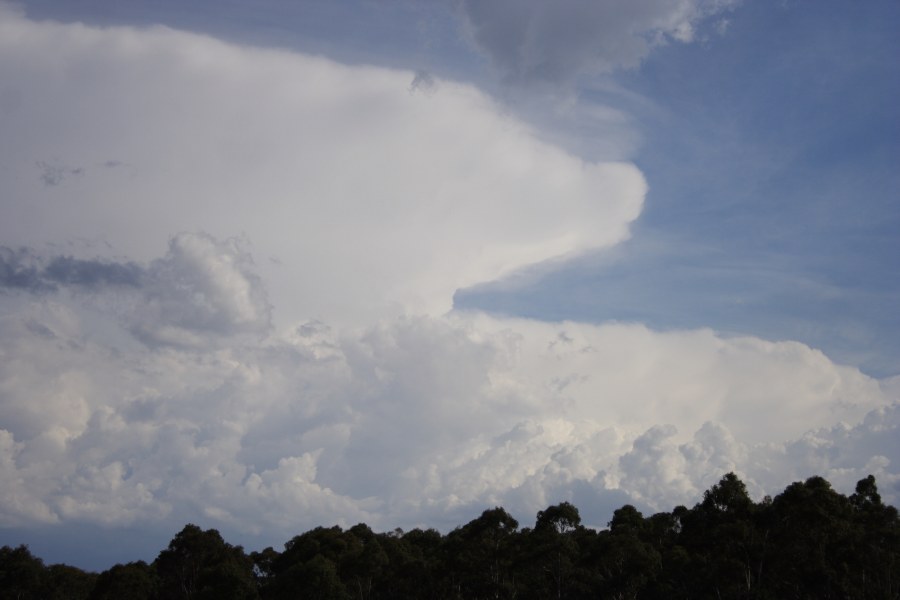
181 395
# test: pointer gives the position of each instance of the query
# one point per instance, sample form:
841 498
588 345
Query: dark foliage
24 576
808 542
200 565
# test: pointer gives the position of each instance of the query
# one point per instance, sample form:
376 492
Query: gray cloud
423 82
536 41
19 270
23 269
202 285
53 174
66 270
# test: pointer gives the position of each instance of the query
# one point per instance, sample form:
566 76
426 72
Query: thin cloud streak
23 269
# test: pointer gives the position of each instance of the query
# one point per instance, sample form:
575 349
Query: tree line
807 542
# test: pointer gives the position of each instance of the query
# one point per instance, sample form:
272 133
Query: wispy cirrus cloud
538 42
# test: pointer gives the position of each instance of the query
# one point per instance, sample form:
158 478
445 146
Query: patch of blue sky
773 158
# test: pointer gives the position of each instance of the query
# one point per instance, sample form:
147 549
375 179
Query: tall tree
65 582
21 574
812 542
308 567
552 550
627 560
481 555
876 543
362 564
200 565
133 581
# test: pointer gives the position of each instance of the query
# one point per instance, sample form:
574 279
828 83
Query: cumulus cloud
373 200
534 41
201 285
413 421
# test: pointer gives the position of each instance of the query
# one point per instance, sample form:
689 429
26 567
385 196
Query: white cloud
20 501
535 41
202 286
371 199
413 421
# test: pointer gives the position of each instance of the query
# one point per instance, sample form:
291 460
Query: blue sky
267 266
771 154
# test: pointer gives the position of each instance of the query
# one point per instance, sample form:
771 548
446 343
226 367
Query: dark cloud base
24 269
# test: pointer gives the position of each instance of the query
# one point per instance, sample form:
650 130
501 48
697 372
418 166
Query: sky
273 265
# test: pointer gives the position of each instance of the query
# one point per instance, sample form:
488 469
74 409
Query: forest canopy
807 542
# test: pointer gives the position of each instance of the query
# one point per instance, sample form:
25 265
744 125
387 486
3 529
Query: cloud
19 501
424 82
202 285
54 174
540 42
374 200
67 270
18 270
411 421
23 269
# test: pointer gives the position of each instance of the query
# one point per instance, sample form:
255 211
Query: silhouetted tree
551 551
200 565
481 555
876 536
133 581
64 582
21 574
808 542
628 561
